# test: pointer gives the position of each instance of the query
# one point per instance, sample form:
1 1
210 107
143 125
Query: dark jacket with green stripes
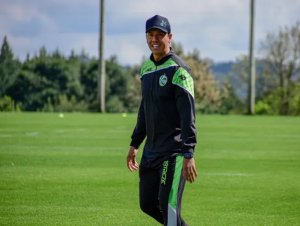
167 112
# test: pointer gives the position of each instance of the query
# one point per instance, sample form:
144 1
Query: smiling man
167 118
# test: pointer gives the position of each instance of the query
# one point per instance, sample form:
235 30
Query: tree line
52 82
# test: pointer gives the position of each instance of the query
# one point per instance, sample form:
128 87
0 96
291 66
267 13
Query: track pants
161 191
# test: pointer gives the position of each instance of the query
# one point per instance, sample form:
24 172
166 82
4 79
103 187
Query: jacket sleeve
184 95
139 132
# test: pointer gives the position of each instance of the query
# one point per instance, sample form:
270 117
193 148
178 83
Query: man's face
158 42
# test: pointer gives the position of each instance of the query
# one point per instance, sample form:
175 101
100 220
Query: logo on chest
163 79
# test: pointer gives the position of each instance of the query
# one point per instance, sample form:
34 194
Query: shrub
8 104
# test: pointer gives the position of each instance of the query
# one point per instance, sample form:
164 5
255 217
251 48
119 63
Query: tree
88 80
133 95
120 90
8 67
121 86
239 77
282 50
208 93
45 81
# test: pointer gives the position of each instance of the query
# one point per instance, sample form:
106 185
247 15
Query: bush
66 104
294 107
8 104
272 103
114 104
262 108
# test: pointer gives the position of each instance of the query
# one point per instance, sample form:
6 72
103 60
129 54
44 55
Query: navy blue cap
159 22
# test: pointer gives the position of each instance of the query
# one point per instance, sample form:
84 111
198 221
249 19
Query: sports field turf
71 170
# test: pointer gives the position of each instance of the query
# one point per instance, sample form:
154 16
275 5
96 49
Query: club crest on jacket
163 80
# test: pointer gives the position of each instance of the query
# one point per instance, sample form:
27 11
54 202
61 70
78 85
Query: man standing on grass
167 118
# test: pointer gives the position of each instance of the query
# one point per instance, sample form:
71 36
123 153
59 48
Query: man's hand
131 159
189 170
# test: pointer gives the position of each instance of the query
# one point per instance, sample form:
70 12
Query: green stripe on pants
172 204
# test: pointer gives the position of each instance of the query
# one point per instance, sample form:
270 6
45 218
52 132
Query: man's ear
170 38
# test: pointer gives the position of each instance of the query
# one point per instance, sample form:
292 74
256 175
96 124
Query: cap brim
156 27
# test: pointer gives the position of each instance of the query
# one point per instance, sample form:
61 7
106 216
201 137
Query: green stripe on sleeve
183 79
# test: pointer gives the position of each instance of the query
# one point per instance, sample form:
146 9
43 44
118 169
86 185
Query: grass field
71 170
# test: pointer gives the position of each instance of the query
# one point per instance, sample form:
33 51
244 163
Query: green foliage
117 86
282 51
49 82
114 104
262 108
43 79
231 103
272 103
8 67
133 94
8 104
66 104
208 92
53 82
121 86
294 106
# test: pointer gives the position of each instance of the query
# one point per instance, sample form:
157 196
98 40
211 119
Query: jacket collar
163 60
